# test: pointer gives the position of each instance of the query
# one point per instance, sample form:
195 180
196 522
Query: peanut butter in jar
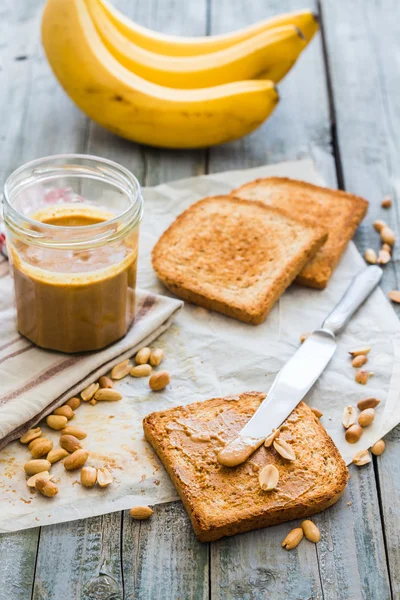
74 262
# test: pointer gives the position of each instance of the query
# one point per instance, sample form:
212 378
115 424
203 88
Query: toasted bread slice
234 256
223 501
338 212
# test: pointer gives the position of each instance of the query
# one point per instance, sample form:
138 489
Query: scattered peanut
366 417
387 236
74 403
383 257
75 431
32 480
379 225
92 402
88 393
362 376
36 466
394 296
365 350
105 382
387 248
304 336
367 403
158 381
30 435
56 422
370 256
142 357
64 411
104 477
293 538
46 487
359 361
284 449
88 476
271 437
318 413
108 395
56 454
141 371
40 447
156 357
349 416
121 370
353 433
386 202
362 457
140 512
378 448
76 460
70 443
311 531
268 478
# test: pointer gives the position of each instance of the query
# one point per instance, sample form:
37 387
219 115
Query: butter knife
300 372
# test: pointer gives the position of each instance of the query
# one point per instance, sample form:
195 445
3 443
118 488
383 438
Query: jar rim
130 217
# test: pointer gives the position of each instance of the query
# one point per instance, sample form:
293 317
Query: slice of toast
234 256
338 212
224 501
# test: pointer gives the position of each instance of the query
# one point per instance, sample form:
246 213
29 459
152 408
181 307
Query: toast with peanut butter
234 256
223 501
339 212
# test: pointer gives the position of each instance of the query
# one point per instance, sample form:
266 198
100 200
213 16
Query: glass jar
72 227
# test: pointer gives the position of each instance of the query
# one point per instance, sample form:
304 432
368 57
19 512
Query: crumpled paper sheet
209 355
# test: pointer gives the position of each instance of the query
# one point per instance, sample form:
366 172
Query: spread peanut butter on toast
223 501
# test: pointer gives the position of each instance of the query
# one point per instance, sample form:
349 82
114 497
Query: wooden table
341 106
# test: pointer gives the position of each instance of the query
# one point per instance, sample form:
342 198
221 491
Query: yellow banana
245 60
135 108
171 45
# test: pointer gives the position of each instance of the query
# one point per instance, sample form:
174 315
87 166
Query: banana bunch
170 91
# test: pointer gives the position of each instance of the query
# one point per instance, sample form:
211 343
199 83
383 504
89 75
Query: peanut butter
75 300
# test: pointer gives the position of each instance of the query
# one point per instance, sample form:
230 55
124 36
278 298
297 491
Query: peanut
30 435
394 296
383 257
75 431
142 357
89 391
353 433
366 417
64 411
156 357
387 248
56 454
367 403
386 202
108 395
362 376
268 478
387 236
370 256
46 487
70 443
365 350
304 336
293 538
104 477
158 381
141 371
362 457
140 512
379 225
36 466
92 402
318 413
56 422
74 403
121 370
349 417
271 437
359 361
32 480
311 531
88 476
378 448
284 449
76 460
105 382
40 447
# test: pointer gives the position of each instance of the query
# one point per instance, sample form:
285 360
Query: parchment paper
210 355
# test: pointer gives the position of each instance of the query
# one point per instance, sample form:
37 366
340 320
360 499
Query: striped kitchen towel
33 382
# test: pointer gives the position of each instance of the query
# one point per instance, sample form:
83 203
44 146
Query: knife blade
300 372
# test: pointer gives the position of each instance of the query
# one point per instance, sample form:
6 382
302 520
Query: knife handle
358 291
